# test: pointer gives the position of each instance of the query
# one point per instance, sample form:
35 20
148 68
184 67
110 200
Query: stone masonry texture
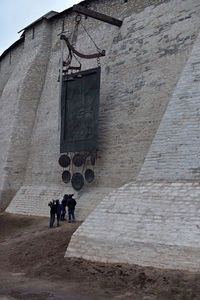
155 220
175 151
150 224
149 95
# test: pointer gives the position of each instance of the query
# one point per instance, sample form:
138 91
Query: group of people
59 209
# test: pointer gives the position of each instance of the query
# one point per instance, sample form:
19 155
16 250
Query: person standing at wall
71 203
53 210
64 204
58 211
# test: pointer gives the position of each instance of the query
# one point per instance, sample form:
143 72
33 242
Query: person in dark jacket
64 204
58 211
71 203
53 210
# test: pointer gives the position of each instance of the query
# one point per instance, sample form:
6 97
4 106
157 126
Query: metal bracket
87 56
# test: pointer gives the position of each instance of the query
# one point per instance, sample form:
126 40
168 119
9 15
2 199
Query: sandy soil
33 266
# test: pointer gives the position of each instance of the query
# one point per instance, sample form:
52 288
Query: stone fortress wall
154 221
145 59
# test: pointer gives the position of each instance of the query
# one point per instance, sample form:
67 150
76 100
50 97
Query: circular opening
89 175
66 176
77 181
64 161
78 160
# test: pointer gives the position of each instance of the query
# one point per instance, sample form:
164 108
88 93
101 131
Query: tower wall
144 60
154 221
19 101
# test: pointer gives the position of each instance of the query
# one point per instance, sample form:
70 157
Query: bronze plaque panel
79 111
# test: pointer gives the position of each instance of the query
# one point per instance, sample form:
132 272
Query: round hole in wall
89 175
77 181
64 161
78 160
66 176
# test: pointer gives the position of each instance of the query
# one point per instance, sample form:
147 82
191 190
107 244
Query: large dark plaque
79 111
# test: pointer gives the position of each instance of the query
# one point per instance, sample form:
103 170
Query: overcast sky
17 14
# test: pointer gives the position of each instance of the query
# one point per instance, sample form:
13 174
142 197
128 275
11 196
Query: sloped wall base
33 200
150 224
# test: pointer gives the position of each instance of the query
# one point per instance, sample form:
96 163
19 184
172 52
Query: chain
98 62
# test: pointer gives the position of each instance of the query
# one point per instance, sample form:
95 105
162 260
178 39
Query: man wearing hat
71 203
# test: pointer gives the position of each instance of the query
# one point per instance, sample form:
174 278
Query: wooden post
96 15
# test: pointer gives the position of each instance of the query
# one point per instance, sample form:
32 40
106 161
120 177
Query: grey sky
17 14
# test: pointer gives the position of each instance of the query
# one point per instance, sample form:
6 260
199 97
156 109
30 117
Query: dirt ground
33 266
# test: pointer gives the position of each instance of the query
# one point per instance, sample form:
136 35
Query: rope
74 36
98 49
76 59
